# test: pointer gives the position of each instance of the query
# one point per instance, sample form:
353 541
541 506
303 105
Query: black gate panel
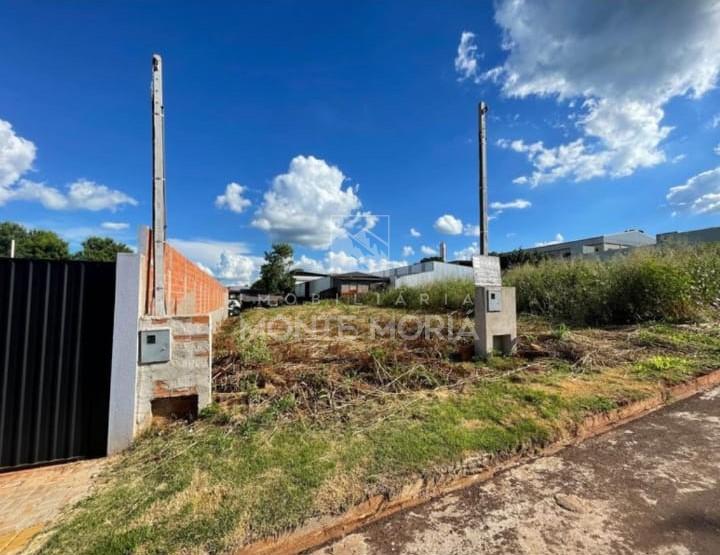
56 327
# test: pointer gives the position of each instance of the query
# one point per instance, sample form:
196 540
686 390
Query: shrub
665 284
650 287
703 265
253 350
570 291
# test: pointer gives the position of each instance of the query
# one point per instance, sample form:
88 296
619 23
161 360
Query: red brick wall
188 289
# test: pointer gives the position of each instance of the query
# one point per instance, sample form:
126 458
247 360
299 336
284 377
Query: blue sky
321 111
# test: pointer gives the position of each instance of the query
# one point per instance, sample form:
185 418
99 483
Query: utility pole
482 146
158 218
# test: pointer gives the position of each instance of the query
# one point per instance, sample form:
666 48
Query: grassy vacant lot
310 420
671 284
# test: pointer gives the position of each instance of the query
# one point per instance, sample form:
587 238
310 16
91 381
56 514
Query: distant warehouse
424 273
707 235
629 239
604 246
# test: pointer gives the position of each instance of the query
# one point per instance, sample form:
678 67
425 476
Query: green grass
680 339
679 284
670 369
213 486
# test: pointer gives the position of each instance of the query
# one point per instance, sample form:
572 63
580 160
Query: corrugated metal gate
56 327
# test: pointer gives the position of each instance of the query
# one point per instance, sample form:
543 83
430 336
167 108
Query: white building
595 245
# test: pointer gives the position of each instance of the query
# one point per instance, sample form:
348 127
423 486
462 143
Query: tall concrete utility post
159 212
495 315
482 179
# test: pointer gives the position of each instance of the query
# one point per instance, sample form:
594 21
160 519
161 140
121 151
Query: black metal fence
56 327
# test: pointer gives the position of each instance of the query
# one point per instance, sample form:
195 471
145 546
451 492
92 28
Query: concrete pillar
495 320
123 380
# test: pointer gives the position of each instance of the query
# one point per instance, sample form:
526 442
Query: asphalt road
652 486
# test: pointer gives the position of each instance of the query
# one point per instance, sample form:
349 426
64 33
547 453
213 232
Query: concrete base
185 379
495 331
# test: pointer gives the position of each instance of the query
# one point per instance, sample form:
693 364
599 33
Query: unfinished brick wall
188 288
196 303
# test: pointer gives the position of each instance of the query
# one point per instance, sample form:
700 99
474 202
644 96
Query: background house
340 285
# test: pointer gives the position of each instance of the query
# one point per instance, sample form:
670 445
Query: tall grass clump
451 294
672 284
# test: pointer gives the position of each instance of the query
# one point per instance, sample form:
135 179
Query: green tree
100 249
42 244
8 232
519 257
275 274
431 259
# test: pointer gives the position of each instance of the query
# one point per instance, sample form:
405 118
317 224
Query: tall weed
674 284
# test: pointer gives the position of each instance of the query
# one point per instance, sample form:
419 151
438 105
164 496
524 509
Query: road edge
320 531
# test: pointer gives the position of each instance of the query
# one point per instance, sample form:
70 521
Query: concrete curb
319 531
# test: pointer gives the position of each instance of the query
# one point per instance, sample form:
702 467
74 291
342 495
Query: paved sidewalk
652 486
30 499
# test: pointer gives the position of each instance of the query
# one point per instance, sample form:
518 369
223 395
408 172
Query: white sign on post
487 271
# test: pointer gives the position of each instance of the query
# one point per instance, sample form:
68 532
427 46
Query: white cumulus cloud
83 194
599 54
449 225
237 269
88 195
408 251
233 198
468 252
307 205
698 195
428 251
228 261
517 204
414 232
338 262
16 155
114 226
466 61
558 239
472 230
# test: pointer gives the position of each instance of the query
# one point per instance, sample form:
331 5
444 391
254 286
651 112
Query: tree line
48 245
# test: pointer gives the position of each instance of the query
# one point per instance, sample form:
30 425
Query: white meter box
494 299
154 346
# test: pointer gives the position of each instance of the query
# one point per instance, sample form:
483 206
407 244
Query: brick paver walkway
31 499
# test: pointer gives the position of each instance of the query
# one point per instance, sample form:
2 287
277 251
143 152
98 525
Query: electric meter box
494 299
154 346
